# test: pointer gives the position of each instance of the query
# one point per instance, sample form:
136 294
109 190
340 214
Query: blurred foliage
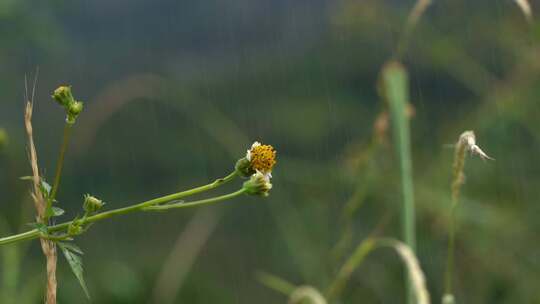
175 91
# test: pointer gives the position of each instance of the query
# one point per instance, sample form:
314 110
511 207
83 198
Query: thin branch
33 234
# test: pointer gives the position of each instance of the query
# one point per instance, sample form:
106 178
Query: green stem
276 283
60 163
396 85
450 253
33 234
196 203
351 264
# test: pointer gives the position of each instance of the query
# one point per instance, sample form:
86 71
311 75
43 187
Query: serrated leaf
72 247
75 262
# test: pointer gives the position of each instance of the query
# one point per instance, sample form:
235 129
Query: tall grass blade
395 90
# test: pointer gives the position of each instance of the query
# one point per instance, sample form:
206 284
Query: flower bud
74 228
92 204
73 111
258 184
63 96
243 168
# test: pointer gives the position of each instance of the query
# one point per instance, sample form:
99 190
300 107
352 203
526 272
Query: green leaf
26 178
396 89
41 227
72 247
72 254
45 188
56 211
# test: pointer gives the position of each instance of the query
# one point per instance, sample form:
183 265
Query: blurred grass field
175 92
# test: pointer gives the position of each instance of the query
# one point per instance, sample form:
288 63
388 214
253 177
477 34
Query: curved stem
364 249
28 235
275 283
33 234
351 264
196 203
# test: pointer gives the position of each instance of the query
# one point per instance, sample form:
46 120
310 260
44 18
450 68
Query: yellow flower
262 158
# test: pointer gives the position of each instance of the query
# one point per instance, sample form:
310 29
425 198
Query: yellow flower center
263 158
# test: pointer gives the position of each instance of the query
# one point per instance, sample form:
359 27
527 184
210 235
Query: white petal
476 149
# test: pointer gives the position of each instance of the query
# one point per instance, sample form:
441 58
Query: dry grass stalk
466 142
418 10
415 272
48 247
37 196
525 8
416 13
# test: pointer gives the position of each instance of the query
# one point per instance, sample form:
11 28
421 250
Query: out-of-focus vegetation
176 90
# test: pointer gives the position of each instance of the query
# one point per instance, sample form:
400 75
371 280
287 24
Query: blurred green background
176 91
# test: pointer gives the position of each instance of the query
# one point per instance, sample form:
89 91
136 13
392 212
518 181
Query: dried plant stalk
525 8
48 247
417 11
415 272
466 142
415 14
